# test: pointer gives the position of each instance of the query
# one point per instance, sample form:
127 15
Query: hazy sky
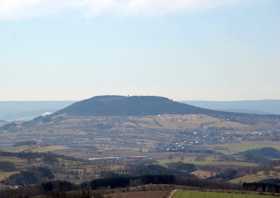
183 49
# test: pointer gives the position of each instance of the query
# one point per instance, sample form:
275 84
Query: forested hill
130 106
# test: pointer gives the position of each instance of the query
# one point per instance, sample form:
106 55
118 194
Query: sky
181 49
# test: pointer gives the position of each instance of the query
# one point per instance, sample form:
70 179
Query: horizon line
180 100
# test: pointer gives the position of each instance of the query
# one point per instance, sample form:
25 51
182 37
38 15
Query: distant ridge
2 123
112 105
261 154
245 106
129 106
28 110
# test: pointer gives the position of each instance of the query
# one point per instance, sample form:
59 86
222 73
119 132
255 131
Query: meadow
244 146
196 194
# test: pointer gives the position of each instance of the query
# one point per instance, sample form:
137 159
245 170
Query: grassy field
195 194
5 175
144 194
14 160
259 176
237 148
205 161
35 149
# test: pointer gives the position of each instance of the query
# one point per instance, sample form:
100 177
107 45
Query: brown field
203 174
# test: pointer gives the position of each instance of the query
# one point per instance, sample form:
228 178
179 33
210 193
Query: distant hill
129 106
153 105
261 155
271 181
2 123
249 106
121 122
27 110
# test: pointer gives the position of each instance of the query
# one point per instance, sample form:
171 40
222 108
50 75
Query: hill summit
129 106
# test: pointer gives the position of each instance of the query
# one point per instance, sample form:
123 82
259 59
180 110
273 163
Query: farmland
143 194
196 194
240 147
259 176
